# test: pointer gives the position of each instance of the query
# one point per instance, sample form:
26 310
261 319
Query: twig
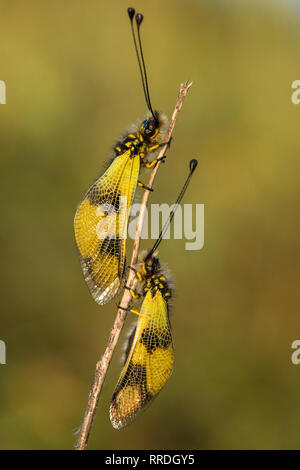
103 364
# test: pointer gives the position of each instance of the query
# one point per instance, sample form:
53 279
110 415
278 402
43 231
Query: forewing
148 365
100 226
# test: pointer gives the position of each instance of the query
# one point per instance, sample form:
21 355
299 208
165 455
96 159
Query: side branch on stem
103 364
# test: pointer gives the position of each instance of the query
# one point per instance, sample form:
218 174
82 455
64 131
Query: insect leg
137 273
168 144
142 185
156 146
131 310
151 164
134 294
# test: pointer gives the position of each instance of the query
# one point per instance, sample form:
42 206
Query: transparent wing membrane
101 227
149 362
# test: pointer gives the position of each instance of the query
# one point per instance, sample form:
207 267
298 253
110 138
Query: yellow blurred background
72 87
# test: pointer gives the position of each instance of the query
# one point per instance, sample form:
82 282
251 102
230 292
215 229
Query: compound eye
149 265
149 268
150 128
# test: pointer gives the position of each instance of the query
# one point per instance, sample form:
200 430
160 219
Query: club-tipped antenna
139 53
193 164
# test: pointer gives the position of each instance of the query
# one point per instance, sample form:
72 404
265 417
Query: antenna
139 18
193 165
140 57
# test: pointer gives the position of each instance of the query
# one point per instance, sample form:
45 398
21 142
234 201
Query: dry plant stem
103 364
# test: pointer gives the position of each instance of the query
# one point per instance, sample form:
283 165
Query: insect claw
162 159
169 142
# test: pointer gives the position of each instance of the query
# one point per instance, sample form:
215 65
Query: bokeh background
72 87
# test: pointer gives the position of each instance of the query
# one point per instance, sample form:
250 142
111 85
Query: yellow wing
100 226
149 363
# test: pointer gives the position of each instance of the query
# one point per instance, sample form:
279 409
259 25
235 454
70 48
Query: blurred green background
72 87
